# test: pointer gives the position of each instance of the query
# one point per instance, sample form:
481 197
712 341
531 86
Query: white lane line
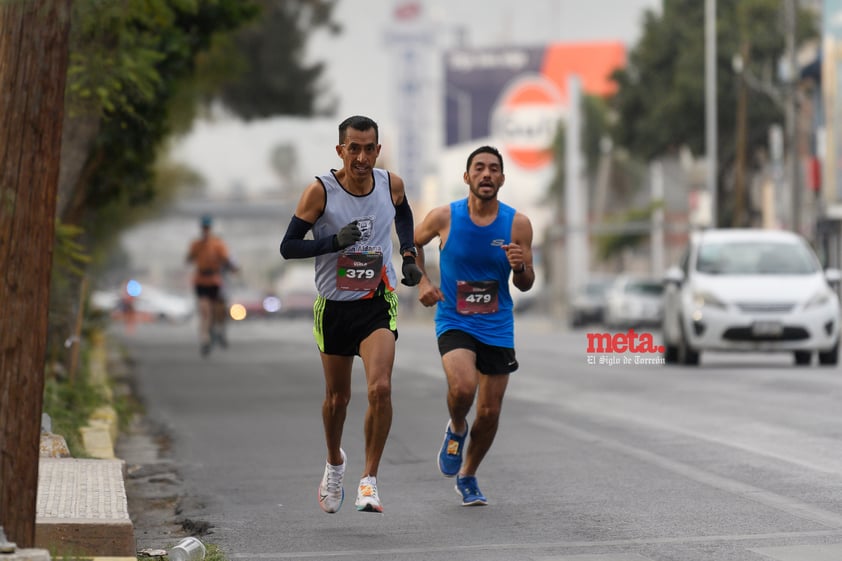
597 557
810 451
802 552
395 553
788 505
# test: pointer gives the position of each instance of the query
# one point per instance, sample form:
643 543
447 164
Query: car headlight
237 312
818 299
703 298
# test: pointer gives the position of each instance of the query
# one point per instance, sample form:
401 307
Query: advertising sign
831 84
515 96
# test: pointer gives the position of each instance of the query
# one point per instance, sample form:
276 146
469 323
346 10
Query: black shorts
208 291
340 327
490 359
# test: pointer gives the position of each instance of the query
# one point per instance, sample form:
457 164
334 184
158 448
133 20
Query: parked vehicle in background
146 302
161 305
588 303
297 291
751 290
634 301
249 303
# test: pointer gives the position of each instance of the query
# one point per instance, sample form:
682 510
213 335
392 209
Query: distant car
298 303
297 290
751 290
634 301
161 305
244 303
588 303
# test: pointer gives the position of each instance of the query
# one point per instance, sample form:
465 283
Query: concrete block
82 508
96 438
108 416
27 555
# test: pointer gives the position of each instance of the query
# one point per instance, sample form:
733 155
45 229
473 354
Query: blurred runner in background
209 254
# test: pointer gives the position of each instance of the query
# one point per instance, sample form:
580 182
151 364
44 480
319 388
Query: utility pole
710 108
792 113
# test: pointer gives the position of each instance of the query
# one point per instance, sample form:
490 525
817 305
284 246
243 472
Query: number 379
360 273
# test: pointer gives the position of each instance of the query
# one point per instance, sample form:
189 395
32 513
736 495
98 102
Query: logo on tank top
366 226
498 243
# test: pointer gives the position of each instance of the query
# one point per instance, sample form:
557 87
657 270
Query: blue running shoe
471 495
450 455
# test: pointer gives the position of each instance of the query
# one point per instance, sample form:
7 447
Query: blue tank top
473 253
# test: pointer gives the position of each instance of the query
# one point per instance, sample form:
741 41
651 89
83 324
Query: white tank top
375 215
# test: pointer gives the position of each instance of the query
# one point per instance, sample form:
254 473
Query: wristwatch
411 250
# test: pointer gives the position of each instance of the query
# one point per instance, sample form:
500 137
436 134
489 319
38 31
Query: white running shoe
367 498
331 493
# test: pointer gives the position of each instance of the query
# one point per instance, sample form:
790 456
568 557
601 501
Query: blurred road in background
735 460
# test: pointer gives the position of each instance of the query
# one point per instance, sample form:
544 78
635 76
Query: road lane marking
396 553
802 552
788 505
597 557
816 453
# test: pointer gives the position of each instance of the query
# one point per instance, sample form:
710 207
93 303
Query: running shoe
367 498
466 485
220 338
450 455
331 493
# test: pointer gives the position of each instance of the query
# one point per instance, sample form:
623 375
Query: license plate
767 329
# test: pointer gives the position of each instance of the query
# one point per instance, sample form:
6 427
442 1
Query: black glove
411 272
347 236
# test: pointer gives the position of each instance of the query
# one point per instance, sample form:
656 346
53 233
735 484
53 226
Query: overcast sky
360 72
359 58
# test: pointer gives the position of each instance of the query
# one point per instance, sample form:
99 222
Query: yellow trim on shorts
392 298
318 321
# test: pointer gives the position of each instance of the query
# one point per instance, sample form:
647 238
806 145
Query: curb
82 507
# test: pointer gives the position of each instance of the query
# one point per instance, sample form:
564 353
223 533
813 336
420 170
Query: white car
161 305
633 301
750 290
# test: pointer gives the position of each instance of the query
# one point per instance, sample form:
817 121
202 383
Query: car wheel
686 354
670 354
831 357
803 358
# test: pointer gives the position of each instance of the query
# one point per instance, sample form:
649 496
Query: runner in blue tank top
483 243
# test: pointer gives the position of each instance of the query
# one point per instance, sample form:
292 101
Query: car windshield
755 258
597 288
649 288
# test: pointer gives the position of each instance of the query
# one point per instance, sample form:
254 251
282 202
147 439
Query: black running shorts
340 327
210 291
490 359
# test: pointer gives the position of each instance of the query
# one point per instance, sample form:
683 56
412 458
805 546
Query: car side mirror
833 275
674 275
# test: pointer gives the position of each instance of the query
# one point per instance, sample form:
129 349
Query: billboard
514 97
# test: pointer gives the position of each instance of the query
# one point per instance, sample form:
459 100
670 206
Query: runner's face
485 176
359 152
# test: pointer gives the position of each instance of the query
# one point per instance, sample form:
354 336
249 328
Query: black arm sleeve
294 246
405 225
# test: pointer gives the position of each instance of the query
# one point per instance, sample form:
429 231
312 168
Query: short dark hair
360 123
484 150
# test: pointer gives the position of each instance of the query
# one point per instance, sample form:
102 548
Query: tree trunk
33 69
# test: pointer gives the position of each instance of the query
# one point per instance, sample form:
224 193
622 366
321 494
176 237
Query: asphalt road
738 459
